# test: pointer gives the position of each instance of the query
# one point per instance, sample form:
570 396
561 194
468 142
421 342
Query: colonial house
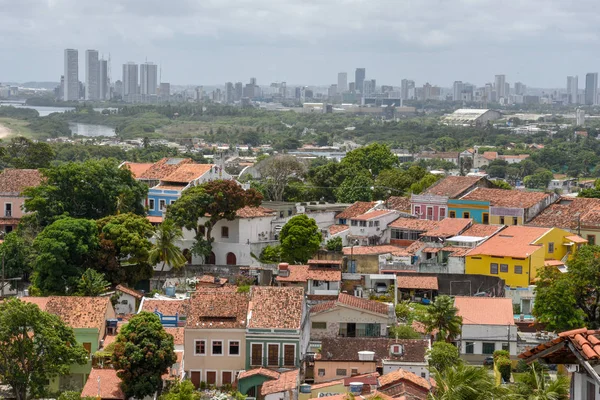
432 204
405 231
89 317
268 384
356 209
499 206
370 228
128 300
349 316
320 279
577 350
12 184
405 384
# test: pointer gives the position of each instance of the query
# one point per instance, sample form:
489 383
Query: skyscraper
71 87
519 88
359 79
229 93
572 89
342 84
148 78
406 86
591 88
103 84
500 86
92 75
130 80
457 90
239 91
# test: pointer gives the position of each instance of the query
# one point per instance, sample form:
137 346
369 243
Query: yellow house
516 253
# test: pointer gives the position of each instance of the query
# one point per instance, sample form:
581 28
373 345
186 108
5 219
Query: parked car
489 361
380 287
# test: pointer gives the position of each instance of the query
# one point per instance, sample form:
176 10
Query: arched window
231 259
212 259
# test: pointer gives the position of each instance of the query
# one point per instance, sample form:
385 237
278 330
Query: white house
370 228
128 300
488 325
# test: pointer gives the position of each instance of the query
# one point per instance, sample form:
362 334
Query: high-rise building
239 91
342 84
406 87
368 87
519 88
332 91
229 93
500 86
457 90
352 87
165 90
359 79
130 80
591 88
148 78
103 84
92 75
283 90
71 86
572 89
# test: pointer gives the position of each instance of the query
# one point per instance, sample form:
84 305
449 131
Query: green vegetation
441 316
443 356
300 239
404 332
165 250
335 244
92 283
181 390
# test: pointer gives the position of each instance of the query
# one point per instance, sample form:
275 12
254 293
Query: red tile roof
585 341
254 212
166 307
576 239
77 312
485 310
302 273
287 381
452 186
356 209
370 250
352 301
372 215
41 302
514 241
417 282
398 203
506 198
414 224
276 307
209 279
14 181
177 334
399 375
188 172
449 227
163 168
103 384
218 309
321 263
568 213
327 384
154 219
259 371
137 169
346 349
335 229
129 291
480 230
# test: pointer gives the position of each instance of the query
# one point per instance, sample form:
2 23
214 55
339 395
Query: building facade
71 75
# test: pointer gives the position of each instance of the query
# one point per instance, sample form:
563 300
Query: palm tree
441 316
92 283
165 249
536 386
465 382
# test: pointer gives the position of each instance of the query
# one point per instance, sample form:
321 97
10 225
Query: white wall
128 308
497 334
415 368
456 265
580 381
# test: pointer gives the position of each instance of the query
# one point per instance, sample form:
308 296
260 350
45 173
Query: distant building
342 82
130 80
359 79
406 87
572 89
92 75
165 89
148 78
239 91
229 93
472 116
591 88
520 88
457 90
500 86
103 83
71 86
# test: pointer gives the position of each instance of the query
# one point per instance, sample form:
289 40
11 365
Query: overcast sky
537 42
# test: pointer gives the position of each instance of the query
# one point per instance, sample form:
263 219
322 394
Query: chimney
366 355
283 266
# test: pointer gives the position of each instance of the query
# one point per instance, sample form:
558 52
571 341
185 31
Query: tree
92 283
536 386
92 189
424 183
63 249
357 187
335 244
465 382
125 247
570 300
35 346
17 253
443 356
539 180
441 316
181 390
404 332
270 255
300 239
374 158
143 353
277 171
465 165
498 184
23 153
165 247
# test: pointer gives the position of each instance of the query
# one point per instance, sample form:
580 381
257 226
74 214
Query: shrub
503 365
404 332
501 353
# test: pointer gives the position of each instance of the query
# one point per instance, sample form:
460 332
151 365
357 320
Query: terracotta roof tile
166 307
324 306
154 219
137 169
398 203
14 181
129 291
103 384
356 209
302 273
327 263
372 215
170 186
413 224
163 168
188 172
417 282
327 384
449 227
576 239
177 334
335 229
209 279
41 302
399 375
452 186
481 230
352 301
506 198
259 371
346 349
514 241
218 309
585 341
568 213
287 381
276 307
77 312
485 310
254 212
370 250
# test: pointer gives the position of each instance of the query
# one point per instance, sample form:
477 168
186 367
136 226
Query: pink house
432 204
12 184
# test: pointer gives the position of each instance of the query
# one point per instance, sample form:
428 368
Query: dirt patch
4 131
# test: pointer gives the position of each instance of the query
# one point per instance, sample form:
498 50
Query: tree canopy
443 356
442 316
277 171
300 239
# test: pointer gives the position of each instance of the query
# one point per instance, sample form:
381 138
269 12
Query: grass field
14 127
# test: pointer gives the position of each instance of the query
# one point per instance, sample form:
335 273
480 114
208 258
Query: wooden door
226 378
211 377
196 378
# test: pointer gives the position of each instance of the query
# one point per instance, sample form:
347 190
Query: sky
206 42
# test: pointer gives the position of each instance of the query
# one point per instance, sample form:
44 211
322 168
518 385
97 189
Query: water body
45 111
90 130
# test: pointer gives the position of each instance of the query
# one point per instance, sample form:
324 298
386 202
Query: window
88 347
591 239
289 213
281 214
515 221
319 325
8 209
503 267
289 355
354 222
162 204
200 347
273 355
423 374
429 213
418 211
469 347
256 354
466 214
354 371
362 223
376 223
234 348
551 247
590 391
501 220
486 218
488 348
341 372
505 346
224 231
151 204
442 213
452 214
518 269
342 221
370 224
217 348
226 378
321 372
494 268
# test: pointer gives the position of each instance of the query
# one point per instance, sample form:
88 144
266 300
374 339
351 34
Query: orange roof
370 250
302 273
211 279
177 334
553 263
452 186
414 224
137 169
276 307
485 310
569 213
16 180
77 312
585 341
166 307
398 203
129 291
506 198
154 219
417 282
254 212
287 381
335 229
356 209
481 230
326 384
352 301
576 239
431 249
259 371
41 302
490 155
449 227
399 375
514 241
218 309
372 215
103 384
163 168
188 172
